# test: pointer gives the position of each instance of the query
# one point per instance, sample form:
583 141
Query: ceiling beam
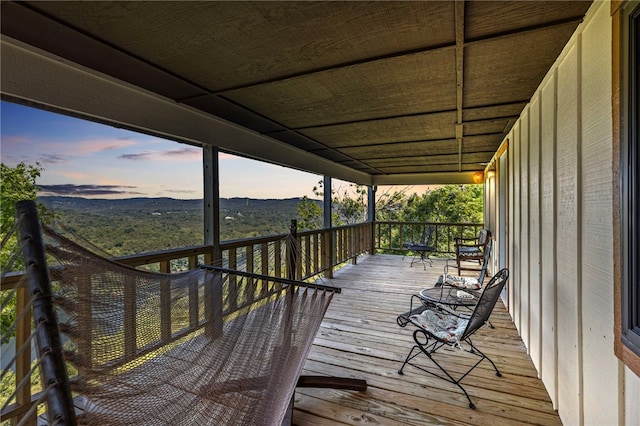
441 178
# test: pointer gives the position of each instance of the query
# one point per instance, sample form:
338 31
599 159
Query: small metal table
447 296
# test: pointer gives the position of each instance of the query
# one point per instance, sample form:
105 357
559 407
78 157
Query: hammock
172 349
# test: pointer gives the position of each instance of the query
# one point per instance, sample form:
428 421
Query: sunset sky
82 158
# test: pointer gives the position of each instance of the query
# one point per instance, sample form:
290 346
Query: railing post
292 250
52 365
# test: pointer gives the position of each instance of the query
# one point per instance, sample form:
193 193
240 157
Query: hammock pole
52 365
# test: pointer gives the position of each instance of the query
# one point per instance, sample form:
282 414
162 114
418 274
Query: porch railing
316 252
390 236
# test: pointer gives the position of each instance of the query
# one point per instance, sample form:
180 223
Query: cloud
101 145
184 152
136 157
13 139
82 190
171 154
52 159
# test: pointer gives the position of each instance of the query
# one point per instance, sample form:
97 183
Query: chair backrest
427 235
485 261
485 305
484 236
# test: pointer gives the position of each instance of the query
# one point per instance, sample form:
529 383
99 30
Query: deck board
360 338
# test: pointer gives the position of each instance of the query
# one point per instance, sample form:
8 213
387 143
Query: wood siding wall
560 239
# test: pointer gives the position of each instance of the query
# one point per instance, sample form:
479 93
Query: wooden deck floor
359 338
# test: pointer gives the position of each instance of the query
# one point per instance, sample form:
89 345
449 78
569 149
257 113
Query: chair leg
408 358
448 378
483 356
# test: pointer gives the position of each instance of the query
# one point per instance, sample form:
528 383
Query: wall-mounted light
478 177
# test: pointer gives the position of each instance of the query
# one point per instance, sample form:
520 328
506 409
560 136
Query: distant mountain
160 205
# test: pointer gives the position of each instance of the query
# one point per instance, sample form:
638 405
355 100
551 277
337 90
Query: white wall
560 233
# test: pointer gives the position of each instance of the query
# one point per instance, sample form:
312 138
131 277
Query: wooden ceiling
384 88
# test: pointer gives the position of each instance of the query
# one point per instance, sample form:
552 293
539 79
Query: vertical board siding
631 397
515 243
548 231
535 290
523 272
510 215
560 238
601 385
567 244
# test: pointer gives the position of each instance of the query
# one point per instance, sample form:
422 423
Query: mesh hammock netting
191 348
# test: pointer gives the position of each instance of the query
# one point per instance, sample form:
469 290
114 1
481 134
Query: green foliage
449 203
16 184
8 384
349 205
309 213
138 225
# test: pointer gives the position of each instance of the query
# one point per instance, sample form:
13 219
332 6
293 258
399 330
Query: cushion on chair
469 252
462 282
441 324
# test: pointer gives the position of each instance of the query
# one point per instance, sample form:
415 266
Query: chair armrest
447 266
403 319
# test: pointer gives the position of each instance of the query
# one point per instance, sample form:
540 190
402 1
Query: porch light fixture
478 177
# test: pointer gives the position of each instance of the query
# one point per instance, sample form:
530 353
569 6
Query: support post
331 249
52 365
213 297
371 216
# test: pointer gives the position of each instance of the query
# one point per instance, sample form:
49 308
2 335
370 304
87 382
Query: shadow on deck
359 338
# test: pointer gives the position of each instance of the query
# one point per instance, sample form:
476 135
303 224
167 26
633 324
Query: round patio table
448 296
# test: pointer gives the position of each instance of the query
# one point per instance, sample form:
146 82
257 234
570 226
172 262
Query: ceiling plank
32 77
459 23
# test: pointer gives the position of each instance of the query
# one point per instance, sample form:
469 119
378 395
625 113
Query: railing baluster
307 256
194 314
315 249
23 362
130 308
233 290
264 267
277 251
165 304
249 290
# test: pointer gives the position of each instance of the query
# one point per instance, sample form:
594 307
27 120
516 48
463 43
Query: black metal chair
467 283
422 250
438 326
471 249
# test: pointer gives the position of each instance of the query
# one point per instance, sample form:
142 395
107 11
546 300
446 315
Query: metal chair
471 249
438 326
467 283
422 250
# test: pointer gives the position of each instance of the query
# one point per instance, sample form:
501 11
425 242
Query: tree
309 214
16 183
349 206
448 203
